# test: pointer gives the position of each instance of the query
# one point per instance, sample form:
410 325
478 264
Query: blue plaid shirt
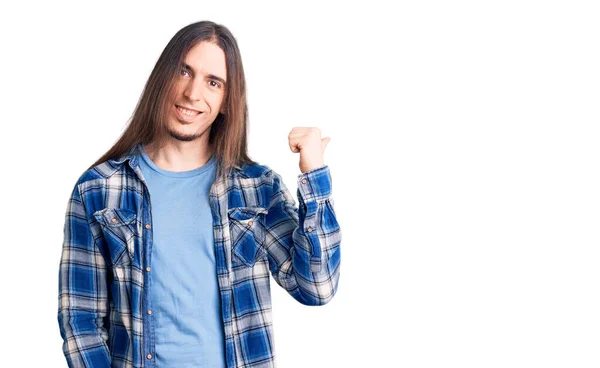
258 230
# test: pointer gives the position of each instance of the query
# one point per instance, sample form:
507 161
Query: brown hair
228 133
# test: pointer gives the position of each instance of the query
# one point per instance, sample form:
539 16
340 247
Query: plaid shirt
257 230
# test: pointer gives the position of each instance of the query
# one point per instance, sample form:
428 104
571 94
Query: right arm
83 293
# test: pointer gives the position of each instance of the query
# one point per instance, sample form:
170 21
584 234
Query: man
170 237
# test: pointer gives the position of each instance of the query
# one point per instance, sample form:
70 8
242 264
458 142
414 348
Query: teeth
187 112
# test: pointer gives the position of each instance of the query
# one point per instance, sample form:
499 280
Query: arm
83 295
303 244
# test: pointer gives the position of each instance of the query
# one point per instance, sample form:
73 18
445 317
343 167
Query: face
199 92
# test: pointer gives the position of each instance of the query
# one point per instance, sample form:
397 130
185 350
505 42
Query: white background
464 156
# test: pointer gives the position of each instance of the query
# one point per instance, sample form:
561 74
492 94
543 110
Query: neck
176 155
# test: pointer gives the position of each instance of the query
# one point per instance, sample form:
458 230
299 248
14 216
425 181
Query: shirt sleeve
303 243
83 296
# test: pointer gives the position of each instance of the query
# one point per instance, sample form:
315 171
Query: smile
187 112
186 116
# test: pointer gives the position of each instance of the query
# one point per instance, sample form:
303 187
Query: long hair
228 133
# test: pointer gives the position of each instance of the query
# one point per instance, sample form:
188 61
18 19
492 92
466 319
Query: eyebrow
210 76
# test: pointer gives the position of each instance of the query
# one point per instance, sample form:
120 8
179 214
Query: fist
308 141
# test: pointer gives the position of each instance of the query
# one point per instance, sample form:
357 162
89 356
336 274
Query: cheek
216 103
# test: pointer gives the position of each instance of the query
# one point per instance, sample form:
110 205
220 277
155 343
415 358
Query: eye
182 71
215 84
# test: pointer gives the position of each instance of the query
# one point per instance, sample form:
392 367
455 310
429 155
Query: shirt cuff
315 184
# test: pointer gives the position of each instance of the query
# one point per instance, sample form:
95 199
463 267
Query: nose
194 90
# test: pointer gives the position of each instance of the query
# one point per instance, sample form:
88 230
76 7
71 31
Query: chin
183 137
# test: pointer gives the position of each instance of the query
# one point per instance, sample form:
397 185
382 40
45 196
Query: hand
307 141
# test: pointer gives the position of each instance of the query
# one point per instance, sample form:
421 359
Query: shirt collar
133 155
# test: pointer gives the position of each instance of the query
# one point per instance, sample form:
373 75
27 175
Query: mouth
186 114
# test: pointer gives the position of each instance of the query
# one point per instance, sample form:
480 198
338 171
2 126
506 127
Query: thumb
324 142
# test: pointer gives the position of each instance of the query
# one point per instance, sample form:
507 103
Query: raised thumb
324 142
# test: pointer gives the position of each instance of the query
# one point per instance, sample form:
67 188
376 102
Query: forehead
207 58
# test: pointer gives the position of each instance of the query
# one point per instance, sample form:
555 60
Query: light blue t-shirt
184 294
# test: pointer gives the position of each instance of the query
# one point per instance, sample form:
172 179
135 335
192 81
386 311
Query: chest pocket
247 231
118 226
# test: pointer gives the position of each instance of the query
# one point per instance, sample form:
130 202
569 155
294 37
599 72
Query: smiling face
199 92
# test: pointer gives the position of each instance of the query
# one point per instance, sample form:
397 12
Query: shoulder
256 171
259 177
101 171
97 179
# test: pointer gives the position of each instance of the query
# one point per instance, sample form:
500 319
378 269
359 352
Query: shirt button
310 229
303 181
250 222
148 269
149 356
114 220
149 311
147 226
